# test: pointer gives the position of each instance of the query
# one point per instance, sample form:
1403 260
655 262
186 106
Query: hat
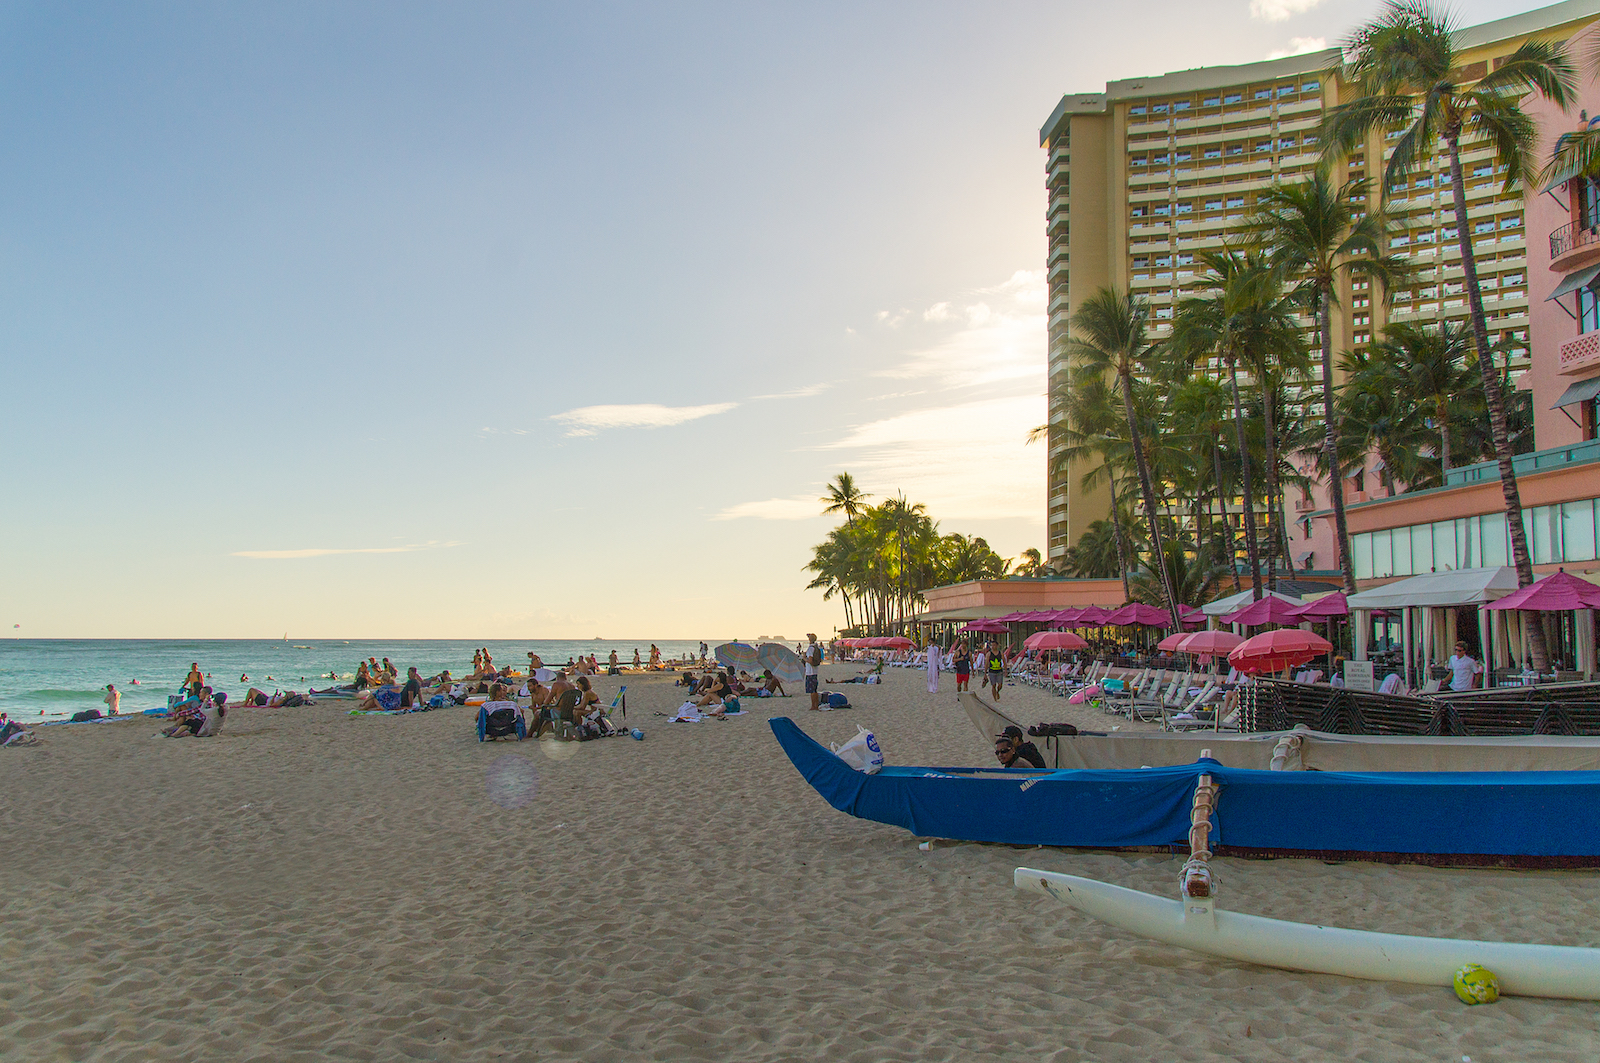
1013 732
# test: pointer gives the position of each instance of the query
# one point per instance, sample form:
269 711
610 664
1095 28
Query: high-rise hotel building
1151 171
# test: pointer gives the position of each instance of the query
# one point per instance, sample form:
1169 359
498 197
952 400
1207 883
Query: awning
1582 391
1304 559
1463 586
1234 602
1573 281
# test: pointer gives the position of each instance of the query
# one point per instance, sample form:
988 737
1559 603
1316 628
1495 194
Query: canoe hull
1522 970
1537 818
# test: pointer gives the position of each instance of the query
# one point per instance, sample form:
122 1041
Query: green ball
1477 985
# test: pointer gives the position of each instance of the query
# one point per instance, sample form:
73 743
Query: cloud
773 509
999 336
967 462
798 393
280 555
588 420
1301 46
1280 10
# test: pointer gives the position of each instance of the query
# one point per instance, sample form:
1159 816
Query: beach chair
501 719
1188 717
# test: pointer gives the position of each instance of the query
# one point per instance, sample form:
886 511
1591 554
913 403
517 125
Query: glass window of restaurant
1556 535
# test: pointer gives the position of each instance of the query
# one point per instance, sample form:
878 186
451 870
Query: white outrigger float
1194 922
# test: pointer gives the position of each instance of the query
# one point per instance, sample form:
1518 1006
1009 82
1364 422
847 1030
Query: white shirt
811 669
1462 669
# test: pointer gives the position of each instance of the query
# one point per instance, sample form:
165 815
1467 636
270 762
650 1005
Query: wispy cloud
588 420
968 462
317 551
1280 10
773 509
994 335
1300 46
798 393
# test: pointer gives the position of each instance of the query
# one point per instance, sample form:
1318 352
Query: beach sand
311 885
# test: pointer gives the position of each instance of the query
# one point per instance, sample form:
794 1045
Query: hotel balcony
1573 246
1523 464
1580 355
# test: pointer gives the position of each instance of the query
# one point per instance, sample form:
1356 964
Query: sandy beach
310 885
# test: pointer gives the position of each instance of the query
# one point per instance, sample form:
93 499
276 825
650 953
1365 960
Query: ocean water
50 678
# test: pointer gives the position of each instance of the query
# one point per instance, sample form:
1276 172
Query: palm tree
1200 407
1315 233
1095 428
844 497
1429 367
1407 76
1032 563
1228 323
1109 338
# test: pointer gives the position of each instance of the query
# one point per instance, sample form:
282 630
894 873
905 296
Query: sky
528 320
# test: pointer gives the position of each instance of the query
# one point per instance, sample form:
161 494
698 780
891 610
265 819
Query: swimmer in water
243 678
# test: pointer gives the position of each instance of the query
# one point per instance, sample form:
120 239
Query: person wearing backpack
813 659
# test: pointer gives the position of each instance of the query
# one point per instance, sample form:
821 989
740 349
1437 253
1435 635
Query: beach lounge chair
1189 717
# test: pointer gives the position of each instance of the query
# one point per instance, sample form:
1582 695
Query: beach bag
838 701
731 705
861 752
86 715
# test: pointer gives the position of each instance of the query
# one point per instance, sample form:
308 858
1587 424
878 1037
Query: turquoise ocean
52 678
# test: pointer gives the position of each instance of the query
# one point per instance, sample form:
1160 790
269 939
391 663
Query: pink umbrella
1268 610
1054 640
1080 616
1064 617
992 627
1170 643
898 642
1555 592
1206 643
1139 613
1323 608
1273 651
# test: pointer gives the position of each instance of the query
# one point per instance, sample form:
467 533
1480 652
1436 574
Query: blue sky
527 320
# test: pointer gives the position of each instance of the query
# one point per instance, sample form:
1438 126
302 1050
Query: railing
1523 464
1572 236
1579 354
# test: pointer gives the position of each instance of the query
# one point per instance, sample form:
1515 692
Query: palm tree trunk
1117 535
1147 490
1274 503
1227 520
1495 400
1330 447
1442 408
1246 490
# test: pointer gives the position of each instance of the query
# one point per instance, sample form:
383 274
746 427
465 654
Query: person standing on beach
1464 668
195 680
113 699
813 658
963 666
996 665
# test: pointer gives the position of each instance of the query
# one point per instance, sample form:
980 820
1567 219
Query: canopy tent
1272 610
1234 602
1463 586
1139 613
1555 592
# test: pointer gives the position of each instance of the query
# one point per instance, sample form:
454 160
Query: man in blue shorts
813 660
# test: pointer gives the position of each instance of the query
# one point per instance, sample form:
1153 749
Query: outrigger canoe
1481 818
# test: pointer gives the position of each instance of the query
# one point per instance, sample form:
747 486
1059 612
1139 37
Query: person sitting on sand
771 685
1012 750
687 679
190 717
411 690
655 658
718 690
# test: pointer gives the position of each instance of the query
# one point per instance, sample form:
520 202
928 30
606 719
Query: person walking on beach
996 665
813 659
963 666
935 659
113 699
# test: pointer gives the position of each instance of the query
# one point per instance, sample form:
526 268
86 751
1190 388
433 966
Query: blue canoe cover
1489 813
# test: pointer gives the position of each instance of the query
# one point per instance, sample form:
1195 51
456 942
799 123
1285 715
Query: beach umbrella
1207 643
1054 640
736 655
1064 617
1273 651
782 661
991 627
1080 616
1191 616
1323 608
1265 611
1138 613
1170 643
898 642
1014 618
1554 593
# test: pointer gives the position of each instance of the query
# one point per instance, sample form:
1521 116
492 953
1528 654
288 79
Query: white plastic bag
861 752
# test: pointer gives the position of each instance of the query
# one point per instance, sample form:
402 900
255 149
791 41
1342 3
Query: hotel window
1163 313
1399 241
1285 90
1265 145
1162 210
1263 94
1185 208
1137 212
1137 110
1160 160
1236 149
1211 101
1235 201
1589 204
1588 310
1185 260
1141 262
1213 153
1450 232
1159 108
1311 86
1511 221
1485 226
1163 260
1184 156
1233 97
1425 181
1181 105
1286 142
1486 170
1137 160
1213 204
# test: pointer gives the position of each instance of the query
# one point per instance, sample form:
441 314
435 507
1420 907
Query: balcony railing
1572 236
1523 464
1580 354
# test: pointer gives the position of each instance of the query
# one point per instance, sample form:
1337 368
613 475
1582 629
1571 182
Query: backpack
814 656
